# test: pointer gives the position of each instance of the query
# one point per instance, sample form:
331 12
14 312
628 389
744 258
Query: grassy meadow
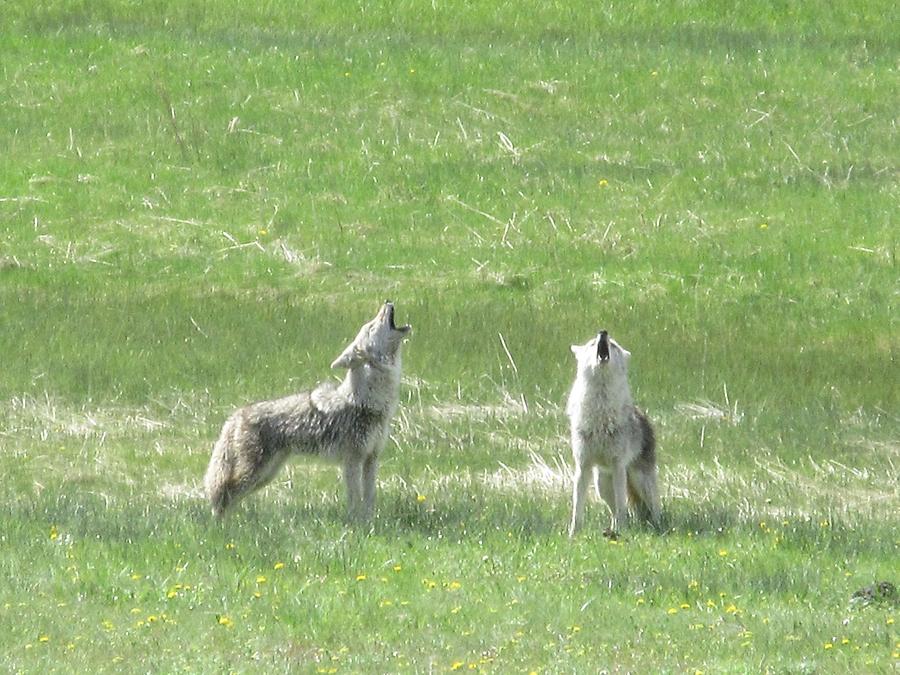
200 203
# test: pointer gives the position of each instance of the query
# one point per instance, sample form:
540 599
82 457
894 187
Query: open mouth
603 346
390 311
390 318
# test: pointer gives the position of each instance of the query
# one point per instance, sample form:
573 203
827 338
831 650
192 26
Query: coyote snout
611 437
348 422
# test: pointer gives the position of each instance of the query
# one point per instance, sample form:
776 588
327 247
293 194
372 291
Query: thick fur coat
347 422
612 439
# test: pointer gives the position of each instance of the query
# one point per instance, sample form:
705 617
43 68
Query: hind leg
252 470
603 486
620 498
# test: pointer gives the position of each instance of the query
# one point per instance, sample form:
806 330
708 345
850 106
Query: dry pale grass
45 418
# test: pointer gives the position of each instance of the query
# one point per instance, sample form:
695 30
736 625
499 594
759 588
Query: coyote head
377 343
601 357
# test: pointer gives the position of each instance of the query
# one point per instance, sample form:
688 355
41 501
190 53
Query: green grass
200 203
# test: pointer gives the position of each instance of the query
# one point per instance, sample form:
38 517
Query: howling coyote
348 422
611 436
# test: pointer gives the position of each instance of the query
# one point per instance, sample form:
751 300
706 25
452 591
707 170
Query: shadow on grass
461 515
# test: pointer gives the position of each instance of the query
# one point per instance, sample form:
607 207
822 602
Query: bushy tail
642 494
643 491
218 473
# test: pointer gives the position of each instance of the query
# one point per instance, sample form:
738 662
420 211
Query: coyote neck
375 387
605 404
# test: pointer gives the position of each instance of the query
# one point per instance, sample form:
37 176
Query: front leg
580 483
353 480
369 470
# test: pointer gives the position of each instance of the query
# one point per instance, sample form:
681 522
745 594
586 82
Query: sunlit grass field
201 203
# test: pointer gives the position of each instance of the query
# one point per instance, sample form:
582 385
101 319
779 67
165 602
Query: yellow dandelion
764 226
225 620
845 641
261 579
454 585
732 609
361 577
420 498
723 552
829 645
44 638
263 232
455 610
229 546
684 605
54 533
136 577
456 665
641 601
172 594
397 568
694 584
278 566
710 603
672 610
890 621
386 603
602 183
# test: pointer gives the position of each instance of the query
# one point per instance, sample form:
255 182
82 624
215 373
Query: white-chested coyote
611 437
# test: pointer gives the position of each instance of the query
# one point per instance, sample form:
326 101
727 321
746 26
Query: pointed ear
349 358
575 349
